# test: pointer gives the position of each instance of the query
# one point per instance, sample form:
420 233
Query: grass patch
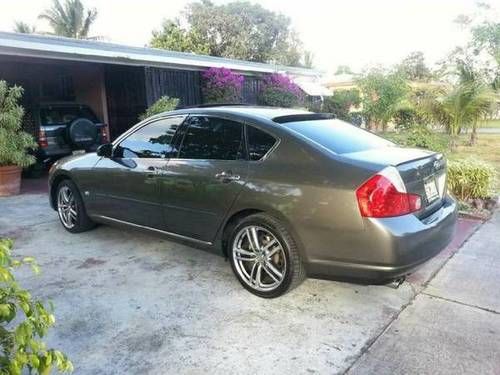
493 123
487 148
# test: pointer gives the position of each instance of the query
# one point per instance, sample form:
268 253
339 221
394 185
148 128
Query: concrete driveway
128 303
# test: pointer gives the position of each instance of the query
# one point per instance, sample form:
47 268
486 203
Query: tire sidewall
80 209
267 224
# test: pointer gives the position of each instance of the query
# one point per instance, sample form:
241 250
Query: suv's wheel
264 256
71 209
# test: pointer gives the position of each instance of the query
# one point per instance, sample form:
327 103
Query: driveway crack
462 303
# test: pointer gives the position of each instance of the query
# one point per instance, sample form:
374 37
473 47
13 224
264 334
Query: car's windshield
338 136
65 115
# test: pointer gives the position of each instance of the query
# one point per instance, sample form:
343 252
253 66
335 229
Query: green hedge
470 179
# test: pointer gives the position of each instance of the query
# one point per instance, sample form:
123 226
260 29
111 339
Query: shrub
422 137
14 143
341 103
23 323
221 85
470 179
279 90
164 104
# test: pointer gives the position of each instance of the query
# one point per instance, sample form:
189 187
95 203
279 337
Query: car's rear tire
264 256
71 209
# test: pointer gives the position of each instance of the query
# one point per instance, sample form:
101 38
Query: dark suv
62 129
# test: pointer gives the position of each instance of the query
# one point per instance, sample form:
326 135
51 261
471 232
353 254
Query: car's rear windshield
338 136
65 115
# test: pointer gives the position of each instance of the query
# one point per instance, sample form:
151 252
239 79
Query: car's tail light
104 134
384 195
42 139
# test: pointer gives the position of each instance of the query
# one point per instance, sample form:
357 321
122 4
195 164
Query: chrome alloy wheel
66 207
259 258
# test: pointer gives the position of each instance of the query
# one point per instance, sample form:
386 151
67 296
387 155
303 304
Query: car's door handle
154 171
227 176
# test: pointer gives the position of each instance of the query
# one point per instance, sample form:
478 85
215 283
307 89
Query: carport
118 82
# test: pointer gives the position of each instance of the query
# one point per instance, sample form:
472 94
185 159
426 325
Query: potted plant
14 143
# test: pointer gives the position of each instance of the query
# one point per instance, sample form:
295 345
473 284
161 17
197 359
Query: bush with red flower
221 85
278 90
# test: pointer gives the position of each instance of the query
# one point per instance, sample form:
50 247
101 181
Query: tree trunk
473 136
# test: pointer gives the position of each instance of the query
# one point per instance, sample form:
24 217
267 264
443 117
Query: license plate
431 190
78 152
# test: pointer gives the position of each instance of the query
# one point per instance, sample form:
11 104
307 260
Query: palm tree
70 19
461 106
24 28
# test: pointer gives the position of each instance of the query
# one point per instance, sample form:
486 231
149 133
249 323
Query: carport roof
42 46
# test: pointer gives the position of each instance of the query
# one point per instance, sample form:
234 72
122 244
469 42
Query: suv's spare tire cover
83 133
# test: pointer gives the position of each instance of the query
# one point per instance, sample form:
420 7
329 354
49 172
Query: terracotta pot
10 180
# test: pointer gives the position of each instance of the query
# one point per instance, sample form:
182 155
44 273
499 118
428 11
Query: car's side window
213 138
259 143
151 141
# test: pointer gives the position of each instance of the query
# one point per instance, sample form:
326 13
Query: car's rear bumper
399 244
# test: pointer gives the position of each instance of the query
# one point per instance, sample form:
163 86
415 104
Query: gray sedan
282 193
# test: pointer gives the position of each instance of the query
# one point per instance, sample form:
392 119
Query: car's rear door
204 180
127 184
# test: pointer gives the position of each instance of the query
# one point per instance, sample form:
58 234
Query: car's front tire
264 256
71 209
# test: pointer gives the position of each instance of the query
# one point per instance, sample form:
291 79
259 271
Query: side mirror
105 150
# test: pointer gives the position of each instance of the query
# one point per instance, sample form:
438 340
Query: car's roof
260 112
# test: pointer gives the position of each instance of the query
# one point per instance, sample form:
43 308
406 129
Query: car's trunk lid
423 172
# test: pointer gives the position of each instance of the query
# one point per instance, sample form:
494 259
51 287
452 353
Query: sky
357 33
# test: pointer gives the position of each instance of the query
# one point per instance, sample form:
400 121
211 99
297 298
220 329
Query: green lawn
486 149
494 123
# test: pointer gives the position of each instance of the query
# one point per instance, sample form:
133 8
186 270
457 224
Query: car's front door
127 186
204 180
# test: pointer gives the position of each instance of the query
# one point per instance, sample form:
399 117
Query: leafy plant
24 28
239 30
164 104
470 179
341 103
221 85
23 323
383 94
70 19
421 137
173 37
14 143
461 106
279 90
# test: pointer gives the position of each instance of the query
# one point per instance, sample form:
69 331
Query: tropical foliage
14 143
280 91
469 179
173 37
24 322
221 85
70 19
164 104
341 104
24 28
239 30
461 106
383 94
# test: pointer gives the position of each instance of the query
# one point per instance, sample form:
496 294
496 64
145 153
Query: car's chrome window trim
266 155
140 125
